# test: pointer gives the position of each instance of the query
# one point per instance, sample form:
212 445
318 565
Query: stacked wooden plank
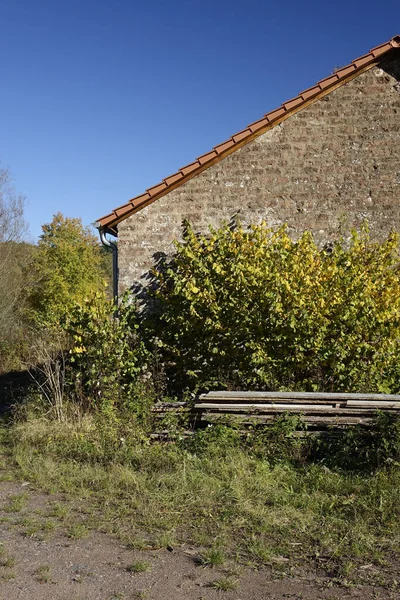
318 410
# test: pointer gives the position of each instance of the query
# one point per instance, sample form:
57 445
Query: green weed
214 557
59 511
6 561
77 531
139 566
42 574
224 584
16 503
30 526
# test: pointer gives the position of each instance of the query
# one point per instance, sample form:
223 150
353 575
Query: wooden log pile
318 410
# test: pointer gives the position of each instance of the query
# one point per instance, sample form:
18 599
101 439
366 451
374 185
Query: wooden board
318 420
320 411
280 409
330 397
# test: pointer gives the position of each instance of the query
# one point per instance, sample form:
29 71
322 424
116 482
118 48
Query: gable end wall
336 161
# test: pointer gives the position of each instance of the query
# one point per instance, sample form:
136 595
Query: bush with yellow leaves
108 365
254 309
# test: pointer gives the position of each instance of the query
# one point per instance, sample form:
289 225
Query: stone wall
335 162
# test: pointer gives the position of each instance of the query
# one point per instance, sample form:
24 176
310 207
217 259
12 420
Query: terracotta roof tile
275 114
224 146
123 210
139 199
107 220
380 50
206 157
293 103
189 168
311 92
173 178
156 189
257 125
340 76
344 71
238 137
363 60
325 83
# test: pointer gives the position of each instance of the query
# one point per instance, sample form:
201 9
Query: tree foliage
12 228
255 309
15 258
12 224
69 266
108 361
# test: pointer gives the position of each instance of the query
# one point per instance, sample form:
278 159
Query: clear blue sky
101 99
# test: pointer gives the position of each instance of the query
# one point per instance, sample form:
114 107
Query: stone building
328 155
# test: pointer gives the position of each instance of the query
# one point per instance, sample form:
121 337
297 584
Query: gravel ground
45 554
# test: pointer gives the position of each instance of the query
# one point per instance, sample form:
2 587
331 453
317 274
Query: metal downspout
114 248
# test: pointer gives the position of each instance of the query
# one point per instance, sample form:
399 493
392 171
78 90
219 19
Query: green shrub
68 265
284 440
108 365
360 448
254 309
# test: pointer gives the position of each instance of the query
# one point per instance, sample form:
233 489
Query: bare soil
46 555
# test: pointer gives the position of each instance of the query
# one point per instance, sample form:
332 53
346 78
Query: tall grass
215 491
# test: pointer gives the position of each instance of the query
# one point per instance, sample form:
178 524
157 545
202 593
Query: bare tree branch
14 254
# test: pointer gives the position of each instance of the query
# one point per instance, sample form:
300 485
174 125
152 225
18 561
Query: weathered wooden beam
317 409
330 396
286 408
381 405
328 421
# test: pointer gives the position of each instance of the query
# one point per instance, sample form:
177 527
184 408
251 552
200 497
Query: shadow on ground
13 389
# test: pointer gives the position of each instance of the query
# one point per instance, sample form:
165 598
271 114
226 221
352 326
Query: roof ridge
236 141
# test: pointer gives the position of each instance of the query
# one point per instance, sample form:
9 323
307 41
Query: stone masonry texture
328 168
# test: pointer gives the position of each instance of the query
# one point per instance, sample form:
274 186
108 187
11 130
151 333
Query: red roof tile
379 50
189 168
204 158
275 114
224 146
109 222
311 92
363 60
240 136
293 103
156 189
140 199
173 178
344 71
120 212
325 83
257 125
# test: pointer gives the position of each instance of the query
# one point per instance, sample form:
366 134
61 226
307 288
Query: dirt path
46 553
